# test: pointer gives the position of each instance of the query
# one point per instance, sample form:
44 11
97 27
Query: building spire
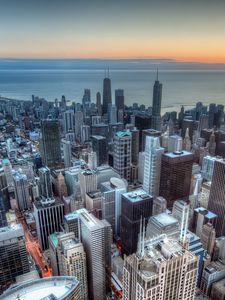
157 74
108 72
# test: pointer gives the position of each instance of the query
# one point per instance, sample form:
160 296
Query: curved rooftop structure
52 288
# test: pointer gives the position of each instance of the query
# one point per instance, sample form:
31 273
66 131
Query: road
33 248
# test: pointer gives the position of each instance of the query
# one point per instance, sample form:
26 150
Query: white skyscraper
72 261
97 238
152 165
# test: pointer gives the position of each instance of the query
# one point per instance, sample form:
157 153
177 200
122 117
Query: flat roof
59 287
136 195
174 154
123 133
164 219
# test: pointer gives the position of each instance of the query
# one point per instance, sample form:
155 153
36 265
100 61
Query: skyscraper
98 103
96 238
13 255
152 166
21 185
217 195
161 269
119 99
176 171
68 121
67 153
122 154
45 184
48 214
156 104
99 145
107 96
72 261
135 205
50 143
79 120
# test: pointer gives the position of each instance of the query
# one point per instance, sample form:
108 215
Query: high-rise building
97 238
187 141
72 261
85 133
22 195
157 97
98 103
152 166
3 210
175 143
7 167
159 205
176 171
86 97
112 114
45 182
134 146
156 104
50 143
122 154
67 153
48 214
13 255
212 111
99 146
112 191
207 167
68 121
119 99
162 269
79 121
217 195
88 182
208 238
134 206
107 96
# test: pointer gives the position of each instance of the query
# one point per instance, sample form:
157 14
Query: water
183 83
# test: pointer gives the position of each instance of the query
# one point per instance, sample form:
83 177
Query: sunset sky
190 30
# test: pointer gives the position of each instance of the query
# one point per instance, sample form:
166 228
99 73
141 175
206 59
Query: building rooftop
53 288
137 195
11 231
122 134
98 137
207 213
178 154
164 220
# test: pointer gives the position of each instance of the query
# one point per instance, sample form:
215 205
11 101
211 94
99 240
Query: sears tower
156 105
107 96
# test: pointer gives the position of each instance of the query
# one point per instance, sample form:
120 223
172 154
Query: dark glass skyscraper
50 143
217 195
157 98
119 99
176 170
107 96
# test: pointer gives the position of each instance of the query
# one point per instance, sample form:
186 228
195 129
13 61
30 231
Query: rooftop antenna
140 238
143 239
157 74
108 72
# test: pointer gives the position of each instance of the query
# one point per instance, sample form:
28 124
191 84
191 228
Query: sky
185 30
